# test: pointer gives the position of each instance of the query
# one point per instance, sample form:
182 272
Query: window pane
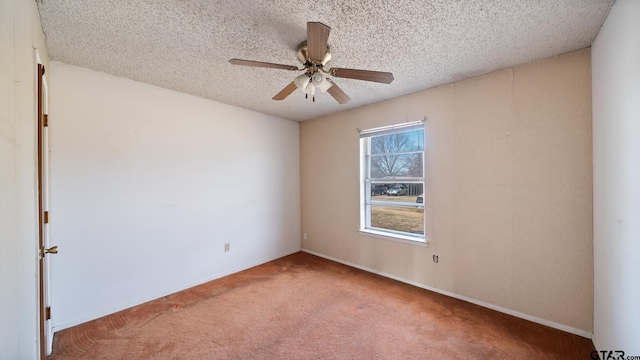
397 192
403 165
410 220
398 142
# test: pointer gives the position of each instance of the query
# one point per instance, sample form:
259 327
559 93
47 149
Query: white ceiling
185 45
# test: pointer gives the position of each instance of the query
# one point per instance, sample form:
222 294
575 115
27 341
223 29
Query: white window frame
365 181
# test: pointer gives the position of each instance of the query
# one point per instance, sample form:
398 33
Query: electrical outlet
227 246
435 259
304 236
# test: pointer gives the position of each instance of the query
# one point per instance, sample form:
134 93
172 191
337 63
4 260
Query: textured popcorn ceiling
185 45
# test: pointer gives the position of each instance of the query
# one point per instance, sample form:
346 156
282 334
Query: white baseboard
501 309
594 340
59 327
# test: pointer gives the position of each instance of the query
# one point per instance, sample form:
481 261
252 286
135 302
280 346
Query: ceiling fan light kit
314 54
308 83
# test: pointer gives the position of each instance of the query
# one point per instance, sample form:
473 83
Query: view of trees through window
397 155
394 183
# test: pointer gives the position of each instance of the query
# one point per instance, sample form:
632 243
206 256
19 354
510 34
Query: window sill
399 238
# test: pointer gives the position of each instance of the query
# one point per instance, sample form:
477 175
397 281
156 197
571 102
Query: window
392 181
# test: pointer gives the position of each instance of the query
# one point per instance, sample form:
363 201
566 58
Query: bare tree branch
390 164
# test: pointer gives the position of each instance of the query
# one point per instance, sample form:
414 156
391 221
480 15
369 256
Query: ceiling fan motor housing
303 56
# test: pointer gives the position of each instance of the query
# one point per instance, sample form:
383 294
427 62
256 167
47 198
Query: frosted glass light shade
317 78
302 81
325 85
320 81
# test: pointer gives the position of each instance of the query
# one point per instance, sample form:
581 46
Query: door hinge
46 217
45 120
47 313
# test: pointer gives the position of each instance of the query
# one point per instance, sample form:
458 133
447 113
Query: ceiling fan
314 54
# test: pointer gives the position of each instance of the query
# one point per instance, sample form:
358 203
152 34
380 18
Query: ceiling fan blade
337 93
286 91
367 75
262 64
317 38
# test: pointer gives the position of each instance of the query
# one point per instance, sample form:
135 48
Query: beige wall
20 34
508 199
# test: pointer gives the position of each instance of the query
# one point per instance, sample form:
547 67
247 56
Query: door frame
39 122
44 326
